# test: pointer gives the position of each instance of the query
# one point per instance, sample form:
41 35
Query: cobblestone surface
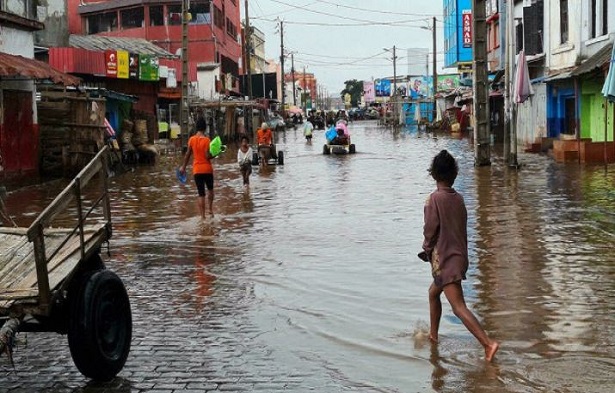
193 334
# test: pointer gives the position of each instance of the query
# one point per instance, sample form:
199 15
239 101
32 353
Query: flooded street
309 281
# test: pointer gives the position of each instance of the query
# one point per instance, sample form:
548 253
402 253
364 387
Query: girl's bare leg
435 312
210 201
201 204
454 294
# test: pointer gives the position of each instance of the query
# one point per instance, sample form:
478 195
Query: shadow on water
314 265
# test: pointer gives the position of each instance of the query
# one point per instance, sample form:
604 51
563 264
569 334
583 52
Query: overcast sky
338 40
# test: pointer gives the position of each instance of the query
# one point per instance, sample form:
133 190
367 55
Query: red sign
111 63
466 19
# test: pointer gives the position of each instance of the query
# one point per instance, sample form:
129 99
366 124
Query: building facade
213 32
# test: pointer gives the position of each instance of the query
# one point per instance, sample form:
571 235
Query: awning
598 60
12 66
559 76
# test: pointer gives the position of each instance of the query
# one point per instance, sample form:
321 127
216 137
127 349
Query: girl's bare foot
491 350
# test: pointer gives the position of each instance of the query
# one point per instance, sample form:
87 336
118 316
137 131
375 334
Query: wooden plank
16 257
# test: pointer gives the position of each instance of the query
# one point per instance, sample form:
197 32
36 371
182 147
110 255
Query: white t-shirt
244 157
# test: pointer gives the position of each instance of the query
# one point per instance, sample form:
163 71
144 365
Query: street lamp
393 51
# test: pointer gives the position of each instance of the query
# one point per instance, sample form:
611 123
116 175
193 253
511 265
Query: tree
355 89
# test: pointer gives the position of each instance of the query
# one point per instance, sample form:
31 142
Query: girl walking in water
445 246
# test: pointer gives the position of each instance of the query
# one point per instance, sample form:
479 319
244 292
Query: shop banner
383 88
111 63
133 66
148 68
122 64
466 17
369 95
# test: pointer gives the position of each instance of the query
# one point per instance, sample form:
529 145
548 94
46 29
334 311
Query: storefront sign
133 66
464 67
111 63
466 19
148 68
122 64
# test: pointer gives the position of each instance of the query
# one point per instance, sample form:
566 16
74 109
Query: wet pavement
309 280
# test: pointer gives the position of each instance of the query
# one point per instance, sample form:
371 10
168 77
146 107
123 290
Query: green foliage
355 89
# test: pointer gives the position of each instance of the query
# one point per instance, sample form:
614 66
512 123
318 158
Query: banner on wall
382 88
369 95
148 68
133 66
466 35
111 63
123 62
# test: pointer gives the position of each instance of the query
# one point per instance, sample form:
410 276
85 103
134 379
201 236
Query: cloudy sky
338 40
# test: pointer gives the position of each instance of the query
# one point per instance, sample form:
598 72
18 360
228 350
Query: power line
304 8
372 10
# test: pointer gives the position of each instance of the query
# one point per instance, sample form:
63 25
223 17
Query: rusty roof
13 66
101 43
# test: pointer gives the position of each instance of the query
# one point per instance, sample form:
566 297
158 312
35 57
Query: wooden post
482 140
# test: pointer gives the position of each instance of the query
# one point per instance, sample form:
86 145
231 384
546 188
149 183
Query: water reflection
314 266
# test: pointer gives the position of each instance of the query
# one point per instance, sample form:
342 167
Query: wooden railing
73 193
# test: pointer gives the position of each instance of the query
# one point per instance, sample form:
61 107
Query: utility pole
395 122
292 70
248 46
184 112
304 91
507 83
482 140
283 82
435 71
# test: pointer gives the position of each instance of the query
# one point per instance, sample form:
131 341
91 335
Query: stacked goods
127 135
140 135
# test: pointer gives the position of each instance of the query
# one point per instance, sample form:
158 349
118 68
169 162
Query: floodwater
317 263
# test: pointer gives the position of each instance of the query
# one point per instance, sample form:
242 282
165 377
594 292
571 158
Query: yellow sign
464 66
122 64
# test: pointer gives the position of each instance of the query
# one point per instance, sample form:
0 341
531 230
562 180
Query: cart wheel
352 149
255 158
280 157
100 327
325 149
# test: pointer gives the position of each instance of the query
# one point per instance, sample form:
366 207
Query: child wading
445 246
244 159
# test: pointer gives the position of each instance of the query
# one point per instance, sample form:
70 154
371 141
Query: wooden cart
52 279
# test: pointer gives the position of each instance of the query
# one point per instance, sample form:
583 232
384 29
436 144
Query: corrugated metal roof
12 66
599 59
101 43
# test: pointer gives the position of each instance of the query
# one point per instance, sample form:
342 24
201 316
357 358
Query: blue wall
453 25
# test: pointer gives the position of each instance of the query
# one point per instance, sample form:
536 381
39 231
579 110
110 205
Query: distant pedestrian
202 169
308 128
445 246
264 138
244 159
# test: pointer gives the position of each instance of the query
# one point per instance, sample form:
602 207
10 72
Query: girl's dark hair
245 137
444 168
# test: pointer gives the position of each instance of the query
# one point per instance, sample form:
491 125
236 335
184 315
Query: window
218 17
598 18
175 15
231 29
106 21
201 14
156 15
563 21
605 17
131 18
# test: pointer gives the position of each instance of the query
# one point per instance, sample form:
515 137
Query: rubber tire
325 150
255 158
100 327
280 157
352 149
